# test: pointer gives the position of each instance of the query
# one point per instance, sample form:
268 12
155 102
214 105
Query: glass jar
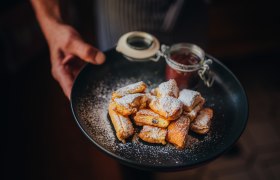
185 62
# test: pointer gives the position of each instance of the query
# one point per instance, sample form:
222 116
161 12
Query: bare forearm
68 51
47 13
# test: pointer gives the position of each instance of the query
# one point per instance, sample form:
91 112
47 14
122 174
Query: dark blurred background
40 139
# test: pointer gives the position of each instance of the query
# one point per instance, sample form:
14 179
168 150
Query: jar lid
138 46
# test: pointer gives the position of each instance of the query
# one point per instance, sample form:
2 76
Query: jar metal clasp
202 68
141 46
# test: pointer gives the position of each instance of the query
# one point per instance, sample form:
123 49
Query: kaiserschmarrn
162 115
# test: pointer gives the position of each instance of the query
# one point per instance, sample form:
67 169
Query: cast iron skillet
91 93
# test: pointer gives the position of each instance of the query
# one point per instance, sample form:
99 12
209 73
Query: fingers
67 58
86 52
75 64
67 85
64 78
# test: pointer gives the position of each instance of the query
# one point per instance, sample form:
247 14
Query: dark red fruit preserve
183 79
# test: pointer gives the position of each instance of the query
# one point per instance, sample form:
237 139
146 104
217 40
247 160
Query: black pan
91 93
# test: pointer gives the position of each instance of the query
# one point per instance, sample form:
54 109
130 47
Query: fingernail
100 57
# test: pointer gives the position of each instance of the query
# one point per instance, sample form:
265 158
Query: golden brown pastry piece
122 124
150 97
168 107
153 134
190 99
201 123
193 113
138 87
130 103
178 132
148 117
168 88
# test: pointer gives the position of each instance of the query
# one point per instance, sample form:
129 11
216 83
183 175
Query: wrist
48 14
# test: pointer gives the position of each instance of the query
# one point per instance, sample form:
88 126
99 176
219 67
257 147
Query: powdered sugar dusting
129 88
187 96
169 104
202 121
91 110
128 99
168 88
154 132
203 118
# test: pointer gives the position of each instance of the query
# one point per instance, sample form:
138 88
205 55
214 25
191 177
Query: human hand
68 54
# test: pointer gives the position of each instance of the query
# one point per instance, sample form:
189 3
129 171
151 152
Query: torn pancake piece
122 124
178 132
153 134
130 103
168 88
148 117
168 107
193 113
190 99
202 122
138 87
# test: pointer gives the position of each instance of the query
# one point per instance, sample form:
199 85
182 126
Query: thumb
86 52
